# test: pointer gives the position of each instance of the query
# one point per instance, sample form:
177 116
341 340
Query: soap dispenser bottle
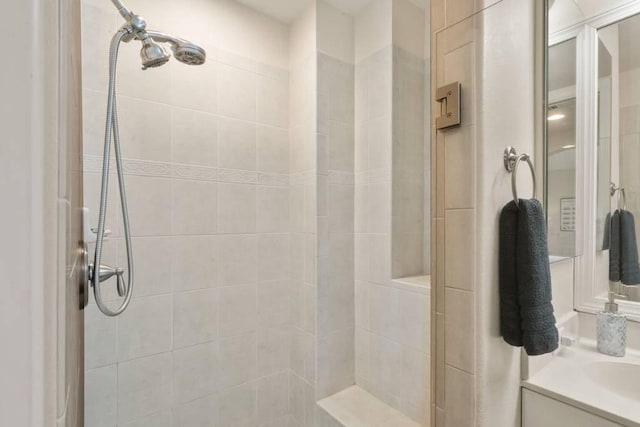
612 328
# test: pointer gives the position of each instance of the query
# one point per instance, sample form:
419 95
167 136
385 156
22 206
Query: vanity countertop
603 385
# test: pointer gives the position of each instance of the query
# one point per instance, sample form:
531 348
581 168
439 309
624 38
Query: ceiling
287 10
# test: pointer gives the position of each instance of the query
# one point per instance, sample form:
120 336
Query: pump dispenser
612 328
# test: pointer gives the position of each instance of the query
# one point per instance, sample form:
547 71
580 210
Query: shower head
189 53
183 50
152 54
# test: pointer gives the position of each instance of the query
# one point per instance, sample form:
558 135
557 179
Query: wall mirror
592 145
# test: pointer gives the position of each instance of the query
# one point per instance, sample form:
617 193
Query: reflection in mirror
561 150
593 140
605 113
619 152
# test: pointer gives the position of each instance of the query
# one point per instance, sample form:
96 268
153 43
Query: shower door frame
41 122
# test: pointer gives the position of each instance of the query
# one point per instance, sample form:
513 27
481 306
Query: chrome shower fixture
152 54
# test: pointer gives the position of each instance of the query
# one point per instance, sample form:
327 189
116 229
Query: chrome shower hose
111 133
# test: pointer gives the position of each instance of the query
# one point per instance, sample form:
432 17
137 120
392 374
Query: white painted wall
498 71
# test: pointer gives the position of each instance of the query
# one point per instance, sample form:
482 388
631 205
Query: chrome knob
106 272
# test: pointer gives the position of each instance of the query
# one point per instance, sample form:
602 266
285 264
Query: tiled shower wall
303 208
392 323
322 109
336 311
207 334
488 46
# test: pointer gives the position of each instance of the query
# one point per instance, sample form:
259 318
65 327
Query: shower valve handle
106 272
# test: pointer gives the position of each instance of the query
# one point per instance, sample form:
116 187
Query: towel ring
511 161
620 190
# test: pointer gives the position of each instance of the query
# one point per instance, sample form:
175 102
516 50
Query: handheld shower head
183 50
152 54
189 53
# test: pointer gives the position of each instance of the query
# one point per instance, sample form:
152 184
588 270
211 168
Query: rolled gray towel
629 267
526 312
509 307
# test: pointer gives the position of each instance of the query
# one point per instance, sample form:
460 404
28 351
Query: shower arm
124 11
135 25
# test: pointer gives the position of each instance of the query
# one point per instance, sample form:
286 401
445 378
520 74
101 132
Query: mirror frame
586 35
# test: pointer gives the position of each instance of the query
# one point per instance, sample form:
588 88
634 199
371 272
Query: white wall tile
94 110
379 207
194 207
237 208
99 339
236 144
237 312
273 397
195 89
341 146
149 201
100 397
195 137
380 253
273 256
459 329
273 209
237 360
341 209
336 362
197 413
194 262
296 398
95 72
272 101
195 372
459 395
459 250
144 386
272 149
159 419
386 355
146 128
273 299
273 349
238 406
145 327
237 255
195 317
380 148
237 93
91 192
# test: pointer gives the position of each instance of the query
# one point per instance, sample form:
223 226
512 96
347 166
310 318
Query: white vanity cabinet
542 411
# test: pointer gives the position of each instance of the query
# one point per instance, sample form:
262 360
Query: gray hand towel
509 307
629 267
525 279
606 235
614 247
